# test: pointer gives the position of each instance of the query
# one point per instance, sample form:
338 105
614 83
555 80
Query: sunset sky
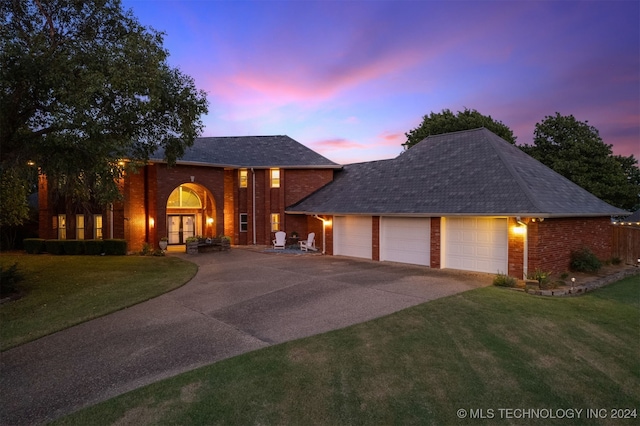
349 78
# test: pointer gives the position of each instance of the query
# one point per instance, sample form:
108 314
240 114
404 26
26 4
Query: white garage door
476 244
406 240
352 236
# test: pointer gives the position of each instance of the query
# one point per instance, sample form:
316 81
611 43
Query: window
275 222
243 177
79 227
60 223
275 178
97 226
244 222
183 197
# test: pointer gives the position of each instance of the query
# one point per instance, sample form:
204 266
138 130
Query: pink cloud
337 144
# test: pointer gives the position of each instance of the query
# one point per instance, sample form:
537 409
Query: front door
181 227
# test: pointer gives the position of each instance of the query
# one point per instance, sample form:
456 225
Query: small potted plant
164 241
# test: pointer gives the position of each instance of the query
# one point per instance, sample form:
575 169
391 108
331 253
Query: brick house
465 200
233 186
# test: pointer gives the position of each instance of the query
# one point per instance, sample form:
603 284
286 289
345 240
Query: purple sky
349 78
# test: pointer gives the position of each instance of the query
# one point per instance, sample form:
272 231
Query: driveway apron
239 301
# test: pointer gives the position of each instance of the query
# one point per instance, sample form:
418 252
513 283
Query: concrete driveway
239 301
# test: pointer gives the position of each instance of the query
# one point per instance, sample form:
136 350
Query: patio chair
310 244
280 241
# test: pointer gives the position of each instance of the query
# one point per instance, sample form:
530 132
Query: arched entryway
190 211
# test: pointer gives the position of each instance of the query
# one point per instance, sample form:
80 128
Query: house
466 200
234 186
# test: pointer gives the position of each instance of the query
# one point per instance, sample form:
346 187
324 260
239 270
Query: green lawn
485 351
61 291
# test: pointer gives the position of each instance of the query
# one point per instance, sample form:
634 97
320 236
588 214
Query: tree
83 85
446 122
576 151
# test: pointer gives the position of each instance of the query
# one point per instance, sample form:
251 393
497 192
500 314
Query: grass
483 350
62 291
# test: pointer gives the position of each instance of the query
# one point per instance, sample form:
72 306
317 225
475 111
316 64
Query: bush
584 260
93 247
540 276
73 247
9 278
34 245
115 247
503 280
54 246
148 250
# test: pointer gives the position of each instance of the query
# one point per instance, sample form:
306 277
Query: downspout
253 174
324 236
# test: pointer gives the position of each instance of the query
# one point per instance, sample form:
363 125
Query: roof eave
245 166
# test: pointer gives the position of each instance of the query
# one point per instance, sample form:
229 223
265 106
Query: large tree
446 122
575 150
82 85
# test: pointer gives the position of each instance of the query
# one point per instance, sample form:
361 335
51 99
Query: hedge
93 247
54 246
34 245
75 247
115 247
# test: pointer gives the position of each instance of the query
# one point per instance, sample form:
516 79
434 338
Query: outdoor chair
310 244
280 241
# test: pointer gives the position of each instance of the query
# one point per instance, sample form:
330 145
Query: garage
406 240
476 244
352 236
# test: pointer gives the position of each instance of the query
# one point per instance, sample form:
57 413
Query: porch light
209 221
521 228
151 222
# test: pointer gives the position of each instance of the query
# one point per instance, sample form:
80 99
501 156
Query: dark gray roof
632 218
251 151
472 172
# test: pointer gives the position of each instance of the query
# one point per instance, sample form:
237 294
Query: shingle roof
251 151
472 172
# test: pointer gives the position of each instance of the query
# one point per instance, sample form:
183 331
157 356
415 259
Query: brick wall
516 244
375 237
552 241
435 242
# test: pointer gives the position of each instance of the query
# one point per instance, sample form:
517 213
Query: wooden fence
626 243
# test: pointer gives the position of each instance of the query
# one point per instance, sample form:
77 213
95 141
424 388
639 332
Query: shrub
503 280
9 278
616 260
584 260
54 246
34 245
73 247
540 276
93 247
115 247
148 250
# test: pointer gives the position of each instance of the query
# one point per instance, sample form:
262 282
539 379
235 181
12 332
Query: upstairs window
275 178
243 174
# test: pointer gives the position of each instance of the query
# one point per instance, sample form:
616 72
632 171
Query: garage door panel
352 236
406 240
476 244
